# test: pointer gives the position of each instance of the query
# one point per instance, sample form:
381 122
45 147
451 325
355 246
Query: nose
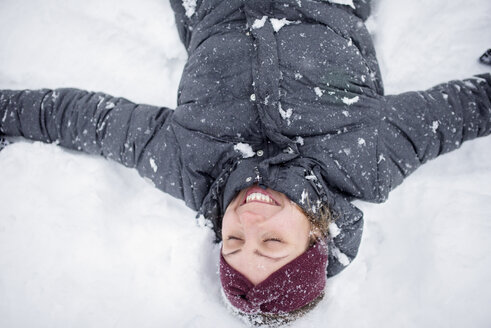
248 219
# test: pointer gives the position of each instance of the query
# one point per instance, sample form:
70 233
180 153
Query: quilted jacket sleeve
135 135
362 8
419 126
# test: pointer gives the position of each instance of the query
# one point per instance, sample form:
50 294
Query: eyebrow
257 252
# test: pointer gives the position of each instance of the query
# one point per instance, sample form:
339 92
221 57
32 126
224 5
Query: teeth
256 196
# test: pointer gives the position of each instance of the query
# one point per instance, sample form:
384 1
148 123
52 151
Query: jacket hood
301 180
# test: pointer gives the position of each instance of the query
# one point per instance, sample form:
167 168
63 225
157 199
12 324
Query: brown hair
319 222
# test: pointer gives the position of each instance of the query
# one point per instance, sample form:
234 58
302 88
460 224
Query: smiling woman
281 112
262 231
271 250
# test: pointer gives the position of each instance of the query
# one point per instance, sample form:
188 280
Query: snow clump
285 114
258 23
340 256
279 23
334 230
244 149
350 101
153 165
434 126
276 23
344 2
190 7
318 91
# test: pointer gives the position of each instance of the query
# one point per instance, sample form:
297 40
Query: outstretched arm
135 135
419 126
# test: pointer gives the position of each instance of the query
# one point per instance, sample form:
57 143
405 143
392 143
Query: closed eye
233 238
274 240
257 253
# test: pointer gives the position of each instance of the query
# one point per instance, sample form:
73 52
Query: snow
190 7
340 256
244 149
434 126
344 2
258 23
153 165
334 229
285 114
279 23
318 91
275 22
304 196
85 242
350 101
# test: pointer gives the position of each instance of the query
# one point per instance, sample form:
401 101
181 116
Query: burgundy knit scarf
289 288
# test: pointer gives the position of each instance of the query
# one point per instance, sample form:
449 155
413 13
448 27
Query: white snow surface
85 242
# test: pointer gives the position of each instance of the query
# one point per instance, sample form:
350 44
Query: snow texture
279 23
342 258
350 101
318 91
110 250
258 23
190 7
153 165
276 23
334 230
244 149
285 114
434 126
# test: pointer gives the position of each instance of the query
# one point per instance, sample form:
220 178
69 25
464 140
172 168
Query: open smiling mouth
258 195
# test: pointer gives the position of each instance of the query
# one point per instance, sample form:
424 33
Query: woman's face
263 230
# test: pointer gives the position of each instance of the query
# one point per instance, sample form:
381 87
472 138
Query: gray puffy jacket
286 94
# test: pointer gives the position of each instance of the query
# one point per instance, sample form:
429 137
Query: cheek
292 231
298 225
229 224
230 214
225 225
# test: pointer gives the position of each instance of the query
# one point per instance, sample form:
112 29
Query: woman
261 103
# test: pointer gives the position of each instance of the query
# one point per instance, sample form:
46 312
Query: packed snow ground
85 242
